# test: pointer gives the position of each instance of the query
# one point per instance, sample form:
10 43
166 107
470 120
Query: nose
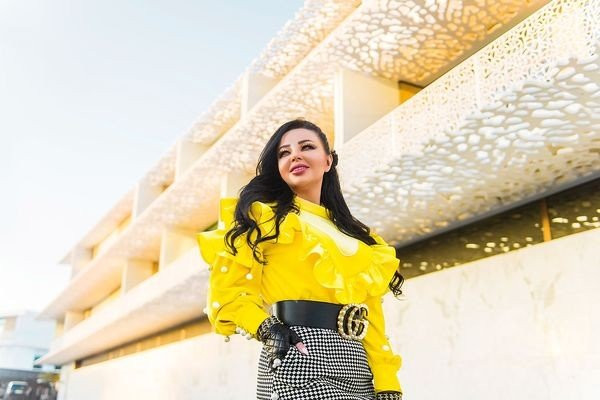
295 155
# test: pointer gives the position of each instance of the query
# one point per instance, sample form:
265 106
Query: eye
282 152
304 147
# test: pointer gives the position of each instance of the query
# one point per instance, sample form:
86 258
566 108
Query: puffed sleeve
234 290
383 361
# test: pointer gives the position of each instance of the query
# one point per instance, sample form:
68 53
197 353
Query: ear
329 162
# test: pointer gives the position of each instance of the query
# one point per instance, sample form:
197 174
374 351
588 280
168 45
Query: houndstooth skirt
335 369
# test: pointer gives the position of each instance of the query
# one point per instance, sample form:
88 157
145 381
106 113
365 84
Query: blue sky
91 95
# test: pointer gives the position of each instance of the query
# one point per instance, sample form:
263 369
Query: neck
314 195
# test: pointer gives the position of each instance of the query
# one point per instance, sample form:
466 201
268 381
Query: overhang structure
477 107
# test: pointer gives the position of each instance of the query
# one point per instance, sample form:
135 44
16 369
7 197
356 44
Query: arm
383 361
233 297
234 287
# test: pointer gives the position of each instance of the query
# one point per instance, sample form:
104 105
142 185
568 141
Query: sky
92 93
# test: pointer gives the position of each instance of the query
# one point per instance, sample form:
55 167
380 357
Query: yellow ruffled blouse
310 260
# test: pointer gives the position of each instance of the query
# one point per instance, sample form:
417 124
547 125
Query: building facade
23 340
469 138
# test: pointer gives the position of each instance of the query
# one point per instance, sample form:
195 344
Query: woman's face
302 160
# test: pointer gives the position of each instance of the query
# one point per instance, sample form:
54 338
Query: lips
299 168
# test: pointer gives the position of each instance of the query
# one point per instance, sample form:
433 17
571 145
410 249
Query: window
35 358
564 213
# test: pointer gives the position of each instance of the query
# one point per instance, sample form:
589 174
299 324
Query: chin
300 183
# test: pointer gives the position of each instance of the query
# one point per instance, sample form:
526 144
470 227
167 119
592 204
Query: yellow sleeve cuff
384 377
250 317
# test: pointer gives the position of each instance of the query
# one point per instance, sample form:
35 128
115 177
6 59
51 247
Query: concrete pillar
145 193
174 243
72 318
80 257
360 100
254 87
59 328
232 182
134 272
187 153
63 382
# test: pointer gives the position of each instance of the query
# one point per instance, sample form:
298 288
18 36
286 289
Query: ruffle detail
212 243
353 278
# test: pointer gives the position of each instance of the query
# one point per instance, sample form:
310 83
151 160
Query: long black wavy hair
269 187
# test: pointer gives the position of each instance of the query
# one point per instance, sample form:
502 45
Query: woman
290 242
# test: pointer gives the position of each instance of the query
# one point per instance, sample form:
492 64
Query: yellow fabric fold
234 289
383 361
305 262
368 273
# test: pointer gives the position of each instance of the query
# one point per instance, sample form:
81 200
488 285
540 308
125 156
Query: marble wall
520 325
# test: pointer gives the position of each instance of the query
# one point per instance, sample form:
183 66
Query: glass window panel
508 231
574 210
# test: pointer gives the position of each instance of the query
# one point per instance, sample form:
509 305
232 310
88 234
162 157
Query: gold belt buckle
351 322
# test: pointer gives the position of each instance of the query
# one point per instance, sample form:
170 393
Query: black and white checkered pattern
335 369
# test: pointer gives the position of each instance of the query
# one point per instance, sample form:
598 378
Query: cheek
318 162
282 169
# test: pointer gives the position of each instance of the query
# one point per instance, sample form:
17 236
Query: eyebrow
301 141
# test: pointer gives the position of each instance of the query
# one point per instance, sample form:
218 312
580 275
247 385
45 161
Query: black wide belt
348 319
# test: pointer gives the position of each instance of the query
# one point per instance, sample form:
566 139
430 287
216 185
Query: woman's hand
389 395
277 338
